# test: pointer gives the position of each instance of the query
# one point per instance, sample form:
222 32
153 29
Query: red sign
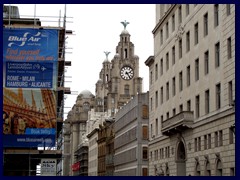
76 166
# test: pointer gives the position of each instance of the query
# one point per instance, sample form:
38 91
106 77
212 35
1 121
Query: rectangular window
188 76
173 55
167 115
220 138
180 15
161 95
218 96
145 132
156 127
167 62
216 15
217 54
199 143
167 30
161 36
195 144
216 139
145 153
231 136
161 63
173 86
228 9
174 112
196 33
209 141
173 23
180 82
151 126
197 69
180 48
197 106
206 62
205 24
156 99
230 93
189 105
207 101
156 72
229 48
180 108
187 9
188 41
205 142
151 78
151 103
167 91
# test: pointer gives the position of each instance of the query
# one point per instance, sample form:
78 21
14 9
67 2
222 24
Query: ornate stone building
192 91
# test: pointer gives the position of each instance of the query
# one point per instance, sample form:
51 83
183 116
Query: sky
96 28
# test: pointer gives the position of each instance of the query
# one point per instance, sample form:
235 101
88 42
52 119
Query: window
145 132
145 153
180 15
167 115
228 9
229 48
218 96
187 9
167 91
216 139
197 69
232 171
173 86
151 126
167 30
216 15
207 169
161 66
188 41
180 108
231 136
205 142
188 76
196 33
167 62
144 171
230 93
156 126
156 72
180 82
161 36
126 89
217 54
151 77
205 24
180 48
206 62
151 101
156 99
207 102
189 105
195 144
198 170
199 143
161 95
173 55
173 23
197 106
174 112
209 141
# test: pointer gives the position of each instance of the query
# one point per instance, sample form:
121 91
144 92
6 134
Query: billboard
30 64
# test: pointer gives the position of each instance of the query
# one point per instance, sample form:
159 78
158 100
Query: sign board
48 167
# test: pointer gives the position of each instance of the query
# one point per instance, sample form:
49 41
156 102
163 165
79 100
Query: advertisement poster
30 59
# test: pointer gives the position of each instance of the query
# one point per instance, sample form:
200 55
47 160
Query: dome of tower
85 94
116 55
125 32
100 81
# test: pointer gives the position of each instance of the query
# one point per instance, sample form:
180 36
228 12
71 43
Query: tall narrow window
126 89
197 69
196 33
205 24
173 55
216 15
228 9
161 66
151 78
173 86
167 30
189 105
230 93
167 91
161 95
188 76
206 62
167 115
161 38
197 106
125 53
188 41
205 142
220 138
229 48
218 96
156 72
209 141
167 62
151 103
207 101
180 108
174 112
187 9
217 54
156 126
173 23
145 153
216 138
180 82
156 99
180 48
180 15
145 132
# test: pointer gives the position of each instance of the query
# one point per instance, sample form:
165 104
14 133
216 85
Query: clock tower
119 79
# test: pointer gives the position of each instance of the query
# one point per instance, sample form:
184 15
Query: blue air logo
20 41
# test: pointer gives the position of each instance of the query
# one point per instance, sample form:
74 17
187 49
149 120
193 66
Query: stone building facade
192 91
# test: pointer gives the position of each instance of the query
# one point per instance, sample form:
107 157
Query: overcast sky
97 28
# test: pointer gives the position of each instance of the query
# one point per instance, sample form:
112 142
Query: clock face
127 73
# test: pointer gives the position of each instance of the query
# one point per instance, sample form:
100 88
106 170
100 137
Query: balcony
178 123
